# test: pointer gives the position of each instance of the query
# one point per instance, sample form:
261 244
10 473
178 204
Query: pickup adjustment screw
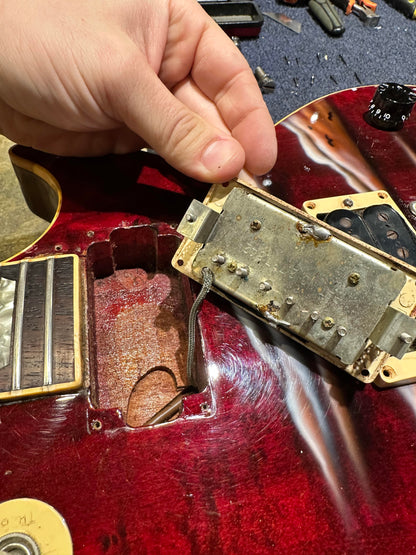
314 315
255 225
289 301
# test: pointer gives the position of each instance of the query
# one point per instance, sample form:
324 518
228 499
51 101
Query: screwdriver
406 7
327 16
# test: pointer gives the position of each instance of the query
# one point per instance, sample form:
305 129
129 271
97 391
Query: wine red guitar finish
280 452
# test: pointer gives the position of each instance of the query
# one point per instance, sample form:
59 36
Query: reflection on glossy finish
326 141
323 423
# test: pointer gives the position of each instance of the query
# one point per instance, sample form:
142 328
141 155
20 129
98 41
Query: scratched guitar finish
278 452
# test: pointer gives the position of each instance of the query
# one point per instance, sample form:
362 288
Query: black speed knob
391 106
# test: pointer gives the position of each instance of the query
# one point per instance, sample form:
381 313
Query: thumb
183 138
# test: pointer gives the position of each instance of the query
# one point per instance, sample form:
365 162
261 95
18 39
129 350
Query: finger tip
263 158
257 135
221 160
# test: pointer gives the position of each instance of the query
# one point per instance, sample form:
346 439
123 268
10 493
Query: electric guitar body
274 450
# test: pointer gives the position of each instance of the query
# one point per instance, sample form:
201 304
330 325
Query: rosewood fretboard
39 303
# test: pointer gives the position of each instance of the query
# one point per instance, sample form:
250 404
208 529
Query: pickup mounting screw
412 207
348 202
255 225
96 425
289 301
328 323
266 83
354 278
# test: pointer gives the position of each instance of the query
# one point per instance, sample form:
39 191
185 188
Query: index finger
224 75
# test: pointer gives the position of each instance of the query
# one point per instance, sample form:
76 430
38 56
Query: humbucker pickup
344 299
40 326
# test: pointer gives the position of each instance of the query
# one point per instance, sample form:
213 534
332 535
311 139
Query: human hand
93 77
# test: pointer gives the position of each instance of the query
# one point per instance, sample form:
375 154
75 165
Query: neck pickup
40 327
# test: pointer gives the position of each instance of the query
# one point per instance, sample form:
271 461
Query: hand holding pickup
90 78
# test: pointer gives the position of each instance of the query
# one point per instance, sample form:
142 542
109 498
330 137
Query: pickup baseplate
345 300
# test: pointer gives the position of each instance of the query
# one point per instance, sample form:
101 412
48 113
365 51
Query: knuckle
182 131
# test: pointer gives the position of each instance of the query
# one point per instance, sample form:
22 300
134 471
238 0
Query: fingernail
220 153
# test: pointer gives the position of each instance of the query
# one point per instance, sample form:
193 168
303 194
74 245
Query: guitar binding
41 351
